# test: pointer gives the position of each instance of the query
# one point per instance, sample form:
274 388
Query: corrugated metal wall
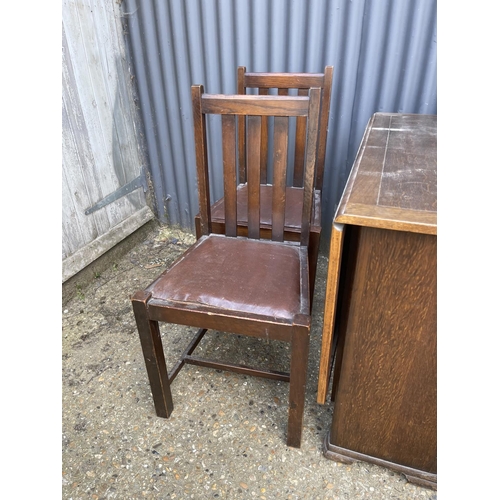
383 51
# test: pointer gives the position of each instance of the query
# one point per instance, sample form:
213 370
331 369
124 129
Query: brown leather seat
233 274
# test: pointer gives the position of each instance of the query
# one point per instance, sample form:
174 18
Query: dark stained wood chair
281 84
242 285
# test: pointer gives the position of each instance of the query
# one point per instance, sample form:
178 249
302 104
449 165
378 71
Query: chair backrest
285 83
255 109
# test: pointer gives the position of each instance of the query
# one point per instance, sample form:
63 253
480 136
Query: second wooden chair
282 84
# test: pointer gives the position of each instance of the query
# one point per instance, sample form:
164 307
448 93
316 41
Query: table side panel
385 405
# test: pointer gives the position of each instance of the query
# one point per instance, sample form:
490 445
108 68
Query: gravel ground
226 436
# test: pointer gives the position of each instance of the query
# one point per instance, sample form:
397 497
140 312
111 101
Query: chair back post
300 146
200 136
240 79
323 126
310 164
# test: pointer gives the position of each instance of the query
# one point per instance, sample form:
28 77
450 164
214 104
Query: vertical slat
229 165
253 172
200 136
300 146
264 144
279 185
241 128
323 126
312 143
283 92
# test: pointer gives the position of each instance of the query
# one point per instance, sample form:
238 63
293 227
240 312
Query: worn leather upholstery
293 207
253 276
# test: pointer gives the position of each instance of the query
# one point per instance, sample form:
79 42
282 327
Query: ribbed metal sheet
383 52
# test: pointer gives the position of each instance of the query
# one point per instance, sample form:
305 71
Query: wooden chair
243 285
283 84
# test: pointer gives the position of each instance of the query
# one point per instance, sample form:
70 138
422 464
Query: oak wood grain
387 394
245 105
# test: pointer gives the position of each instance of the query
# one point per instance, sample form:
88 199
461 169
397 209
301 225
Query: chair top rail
284 80
248 105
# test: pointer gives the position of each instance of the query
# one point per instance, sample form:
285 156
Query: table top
393 182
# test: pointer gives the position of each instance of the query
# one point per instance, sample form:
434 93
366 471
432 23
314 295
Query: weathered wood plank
80 185
101 149
126 159
82 51
97 247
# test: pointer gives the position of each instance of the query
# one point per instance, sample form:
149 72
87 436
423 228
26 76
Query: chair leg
197 227
313 253
152 349
298 379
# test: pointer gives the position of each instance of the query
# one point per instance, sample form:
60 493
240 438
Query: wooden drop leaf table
380 320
